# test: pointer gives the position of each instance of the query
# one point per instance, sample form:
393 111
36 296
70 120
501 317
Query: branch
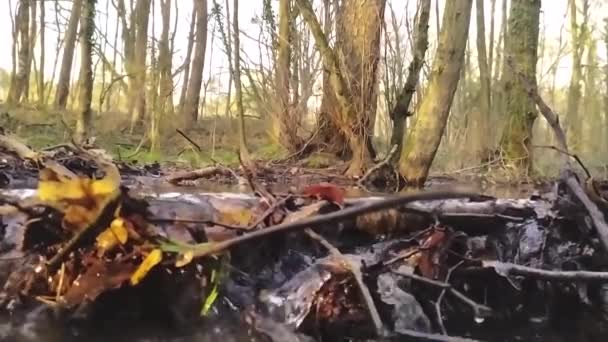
506 268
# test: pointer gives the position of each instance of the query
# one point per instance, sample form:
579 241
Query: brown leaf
98 278
427 263
326 191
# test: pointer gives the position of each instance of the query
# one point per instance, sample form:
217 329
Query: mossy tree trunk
352 69
85 94
18 83
521 48
578 34
137 89
401 111
421 144
481 117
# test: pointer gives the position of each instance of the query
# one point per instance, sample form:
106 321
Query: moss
320 160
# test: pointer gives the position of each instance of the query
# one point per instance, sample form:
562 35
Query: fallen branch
356 272
480 310
506 268
206 172
201 250
180 132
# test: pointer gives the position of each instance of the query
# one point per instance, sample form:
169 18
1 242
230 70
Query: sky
552 21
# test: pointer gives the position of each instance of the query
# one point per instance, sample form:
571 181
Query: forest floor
190 243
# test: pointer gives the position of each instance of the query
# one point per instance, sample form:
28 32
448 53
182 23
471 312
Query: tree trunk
423 140
400 112
65 72
198 63
18 83
606 79
285 127
480 123
137 90
353 77
574 89
87 27
238 90
41 83
30 60
521 47
187 61
165 60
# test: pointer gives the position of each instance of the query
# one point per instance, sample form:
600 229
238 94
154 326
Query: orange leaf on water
326 191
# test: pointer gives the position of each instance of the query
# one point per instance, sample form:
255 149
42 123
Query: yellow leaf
236 217
184 259
116 233
151 260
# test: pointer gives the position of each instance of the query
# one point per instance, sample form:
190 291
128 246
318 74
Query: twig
506 268
388 202
386 161
356 272
207 222
478 309
198 148
433 337
576 157
443 292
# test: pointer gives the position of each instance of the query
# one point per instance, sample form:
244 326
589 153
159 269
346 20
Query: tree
400 112
198 63
65 72
87 27
521 49
423 140
187 60
238 89
606 76
137 89
353 65
481 116
42 51
18 83
578 34
283 126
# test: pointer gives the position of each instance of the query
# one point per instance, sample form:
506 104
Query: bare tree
41 86
187 61
481 117
236 75
425 136
65 72
137 90
18 83
87 27
198 63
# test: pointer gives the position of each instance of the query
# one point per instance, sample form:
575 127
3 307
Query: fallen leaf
113 235
241 217
326 191
151 260
428 264
184 259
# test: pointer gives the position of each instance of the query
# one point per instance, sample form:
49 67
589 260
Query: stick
576 157
198 148
389 202
479 309
356 271
507 268
443 292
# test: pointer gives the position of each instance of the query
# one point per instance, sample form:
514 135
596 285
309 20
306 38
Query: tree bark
606 78
41 83
521 47
238 90
353 71
285 128
65 72
400 112
480 125
87 27
423 140
578 33
198 63
165 60
18 83
137 90
187 61
32 42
